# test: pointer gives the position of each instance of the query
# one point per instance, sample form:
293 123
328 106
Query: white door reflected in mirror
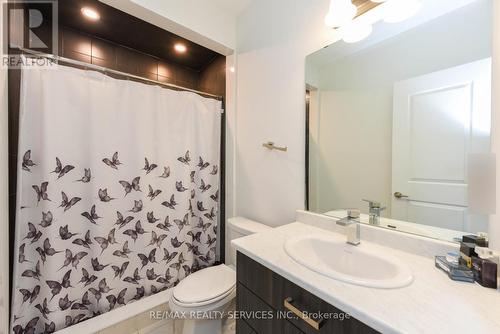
438 120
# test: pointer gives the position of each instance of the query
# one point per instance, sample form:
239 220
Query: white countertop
431 304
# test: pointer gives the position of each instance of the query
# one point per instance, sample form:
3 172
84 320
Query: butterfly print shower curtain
117 194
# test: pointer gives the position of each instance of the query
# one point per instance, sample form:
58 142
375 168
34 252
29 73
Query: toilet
202 295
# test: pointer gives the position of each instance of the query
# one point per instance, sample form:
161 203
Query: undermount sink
365 264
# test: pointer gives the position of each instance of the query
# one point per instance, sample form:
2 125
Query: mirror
398 123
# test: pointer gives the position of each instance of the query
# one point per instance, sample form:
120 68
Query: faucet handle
352 217
353 213
373 204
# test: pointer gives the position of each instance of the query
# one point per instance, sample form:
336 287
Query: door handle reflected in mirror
399 195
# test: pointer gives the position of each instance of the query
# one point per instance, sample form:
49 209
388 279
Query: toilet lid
205 284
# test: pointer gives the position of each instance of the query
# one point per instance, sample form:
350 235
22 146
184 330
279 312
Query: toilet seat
205 287
203 303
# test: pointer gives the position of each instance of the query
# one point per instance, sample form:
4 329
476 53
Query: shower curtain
117 194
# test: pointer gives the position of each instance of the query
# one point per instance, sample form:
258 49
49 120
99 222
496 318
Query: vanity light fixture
180 48
340 13
355 31
400 10
90 13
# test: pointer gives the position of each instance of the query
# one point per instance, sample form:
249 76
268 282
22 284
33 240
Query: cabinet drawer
255 312
274 290
259 316
243 328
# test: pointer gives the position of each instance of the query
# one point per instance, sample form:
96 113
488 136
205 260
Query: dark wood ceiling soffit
127 30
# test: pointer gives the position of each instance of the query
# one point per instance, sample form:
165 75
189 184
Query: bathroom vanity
270 281
276 295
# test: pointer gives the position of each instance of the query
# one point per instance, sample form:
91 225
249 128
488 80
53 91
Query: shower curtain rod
108 70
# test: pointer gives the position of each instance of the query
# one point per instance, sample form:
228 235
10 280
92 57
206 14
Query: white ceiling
233 6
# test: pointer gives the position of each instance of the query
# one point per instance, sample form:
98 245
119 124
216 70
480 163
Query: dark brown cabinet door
255 312
288 328
260 288
243 328
259 316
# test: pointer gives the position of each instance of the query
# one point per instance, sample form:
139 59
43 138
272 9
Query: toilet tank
238 227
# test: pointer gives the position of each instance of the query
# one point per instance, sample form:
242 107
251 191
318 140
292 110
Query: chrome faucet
351 224
375 208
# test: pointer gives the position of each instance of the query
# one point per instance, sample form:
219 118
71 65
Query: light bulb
355 31
90 13
400 10
340 13
180 48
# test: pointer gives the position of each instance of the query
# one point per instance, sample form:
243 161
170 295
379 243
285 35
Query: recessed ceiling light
90 13
179 47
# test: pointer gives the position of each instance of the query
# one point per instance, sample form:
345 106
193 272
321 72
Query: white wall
354 161
273 39
355 142
231 76
314 156
4 192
